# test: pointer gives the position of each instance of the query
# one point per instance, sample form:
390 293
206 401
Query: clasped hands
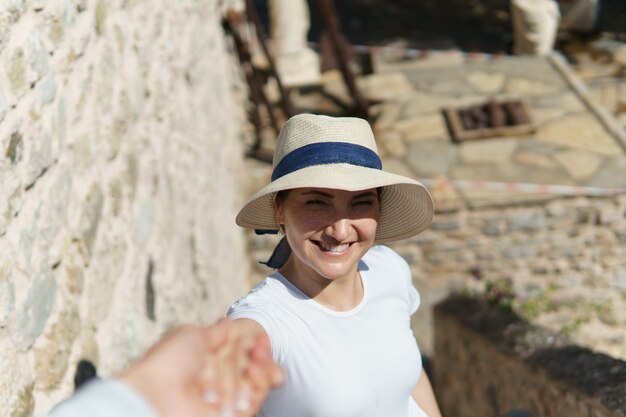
209 371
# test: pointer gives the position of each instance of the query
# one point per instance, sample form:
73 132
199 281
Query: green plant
586 313
542 302
497 293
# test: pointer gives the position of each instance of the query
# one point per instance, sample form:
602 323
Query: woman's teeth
335 249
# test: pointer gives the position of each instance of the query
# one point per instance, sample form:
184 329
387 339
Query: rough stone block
383 86
100 15
488 151
609 175
519 251
530 88
17 72
31 316
581 132
420 103
48 89
444 223
619 278
5 26
485 82
486 255
54 31
15 7
69 274
37 57
585 215
145 221
579 164
435 257
431 158
15 192
15 395
392 143
422 128
27 237
427 237
495 225
412 254
24 402
620 234
388 113
397 166
52 351
5 212
7 292
53 215
38 159
90 217
531 220
450 87
3 106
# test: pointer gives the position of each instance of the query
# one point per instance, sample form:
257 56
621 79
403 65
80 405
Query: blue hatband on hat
323 153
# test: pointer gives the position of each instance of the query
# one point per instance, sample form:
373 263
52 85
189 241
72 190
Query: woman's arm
425 397
247 330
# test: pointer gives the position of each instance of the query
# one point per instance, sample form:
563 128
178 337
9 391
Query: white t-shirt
359 363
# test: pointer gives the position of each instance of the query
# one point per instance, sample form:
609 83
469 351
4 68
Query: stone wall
564 257
488 363
566 260
119 136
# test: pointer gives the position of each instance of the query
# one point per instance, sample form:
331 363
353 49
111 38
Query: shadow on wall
594 374
489 362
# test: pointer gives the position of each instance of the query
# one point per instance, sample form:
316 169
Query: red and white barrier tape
523 187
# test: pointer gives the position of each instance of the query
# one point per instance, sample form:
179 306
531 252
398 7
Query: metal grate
488 120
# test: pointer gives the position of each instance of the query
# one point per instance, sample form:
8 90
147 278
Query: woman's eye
315 202
364 203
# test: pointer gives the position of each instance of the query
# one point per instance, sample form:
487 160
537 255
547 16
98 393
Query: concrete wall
119 136
488 363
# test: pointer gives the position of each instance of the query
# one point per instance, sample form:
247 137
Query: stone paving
576 142
601 64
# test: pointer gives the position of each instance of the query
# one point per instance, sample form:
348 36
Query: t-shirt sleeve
104 398
266 314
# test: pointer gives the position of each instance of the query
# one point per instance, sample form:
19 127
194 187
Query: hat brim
406 205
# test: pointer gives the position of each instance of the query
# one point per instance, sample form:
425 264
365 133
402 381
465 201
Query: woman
337 310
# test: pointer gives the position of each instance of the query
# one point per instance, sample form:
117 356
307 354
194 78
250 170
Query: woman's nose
339 229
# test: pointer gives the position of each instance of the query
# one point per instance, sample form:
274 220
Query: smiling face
328 230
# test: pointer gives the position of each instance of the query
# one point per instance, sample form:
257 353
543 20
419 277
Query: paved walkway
576 143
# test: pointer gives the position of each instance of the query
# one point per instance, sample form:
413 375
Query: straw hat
338 153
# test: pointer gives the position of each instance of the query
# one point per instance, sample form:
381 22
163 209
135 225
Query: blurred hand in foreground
199 371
